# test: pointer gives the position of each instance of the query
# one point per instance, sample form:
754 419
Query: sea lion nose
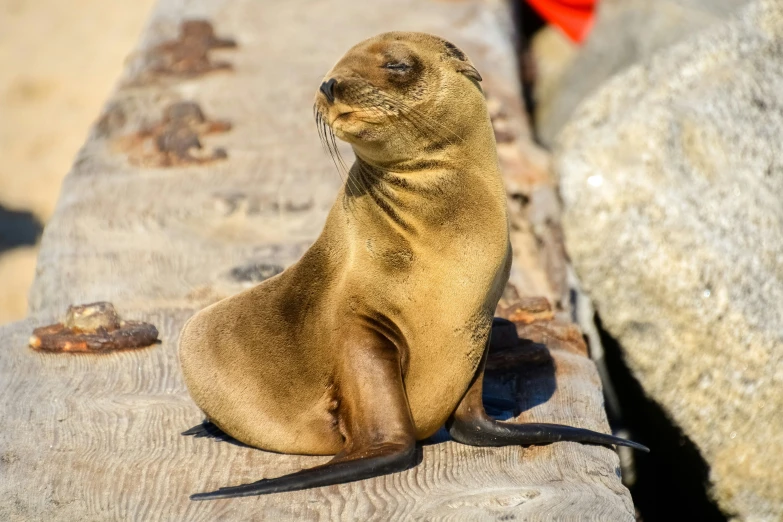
328 89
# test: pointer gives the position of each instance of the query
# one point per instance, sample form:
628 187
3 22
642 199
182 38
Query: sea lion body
377 336
279 392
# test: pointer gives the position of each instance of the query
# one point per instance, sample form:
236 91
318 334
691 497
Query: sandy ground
58 63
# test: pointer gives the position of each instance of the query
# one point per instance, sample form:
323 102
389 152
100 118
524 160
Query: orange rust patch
189 54
526 310
176 140
93 328
556 335
538 333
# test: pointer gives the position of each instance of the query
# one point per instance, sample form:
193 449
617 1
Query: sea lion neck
416 195
409 163
392 197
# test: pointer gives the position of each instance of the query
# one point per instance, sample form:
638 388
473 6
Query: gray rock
625 32
672 181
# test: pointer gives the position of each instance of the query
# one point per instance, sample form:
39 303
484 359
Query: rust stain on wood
556 335
525 310
176 140
189 54
536 331
93 328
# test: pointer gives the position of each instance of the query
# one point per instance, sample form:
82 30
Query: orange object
573 17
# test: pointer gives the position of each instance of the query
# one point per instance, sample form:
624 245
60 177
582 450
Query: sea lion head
400 94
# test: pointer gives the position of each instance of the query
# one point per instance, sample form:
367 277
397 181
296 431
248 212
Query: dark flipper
470 424
374 416
210 430
389 458
206 429
489 432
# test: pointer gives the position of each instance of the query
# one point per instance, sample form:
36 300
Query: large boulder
672 181
625 32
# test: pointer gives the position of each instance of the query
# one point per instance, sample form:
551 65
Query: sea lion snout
327 88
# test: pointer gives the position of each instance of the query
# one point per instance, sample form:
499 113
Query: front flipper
367 463
373 415
470 424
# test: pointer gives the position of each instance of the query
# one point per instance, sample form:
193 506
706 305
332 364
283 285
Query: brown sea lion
377 337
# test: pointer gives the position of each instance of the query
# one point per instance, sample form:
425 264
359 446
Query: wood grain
96 437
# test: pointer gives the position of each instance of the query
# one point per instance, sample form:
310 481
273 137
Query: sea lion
377 337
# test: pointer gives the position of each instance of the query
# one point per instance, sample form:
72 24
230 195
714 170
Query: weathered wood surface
88 437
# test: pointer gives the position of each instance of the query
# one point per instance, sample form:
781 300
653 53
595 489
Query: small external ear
469 71
463 64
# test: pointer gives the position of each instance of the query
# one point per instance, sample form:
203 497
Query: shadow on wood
18 228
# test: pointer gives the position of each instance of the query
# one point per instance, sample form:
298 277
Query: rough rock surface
673 219
626 32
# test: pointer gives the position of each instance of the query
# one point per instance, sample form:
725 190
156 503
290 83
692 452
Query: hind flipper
374 418
210 430
206 429
470 424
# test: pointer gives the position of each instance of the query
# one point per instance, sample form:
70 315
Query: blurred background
58 63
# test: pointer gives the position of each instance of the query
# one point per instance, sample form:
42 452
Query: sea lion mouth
349 112
342 115
360 116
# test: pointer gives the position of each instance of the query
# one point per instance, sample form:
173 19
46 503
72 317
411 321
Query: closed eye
397 66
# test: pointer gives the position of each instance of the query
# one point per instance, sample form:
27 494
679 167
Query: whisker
422 117
323 132
337 158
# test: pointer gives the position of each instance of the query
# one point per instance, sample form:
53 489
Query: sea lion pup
377 337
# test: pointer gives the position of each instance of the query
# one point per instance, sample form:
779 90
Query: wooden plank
97 437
